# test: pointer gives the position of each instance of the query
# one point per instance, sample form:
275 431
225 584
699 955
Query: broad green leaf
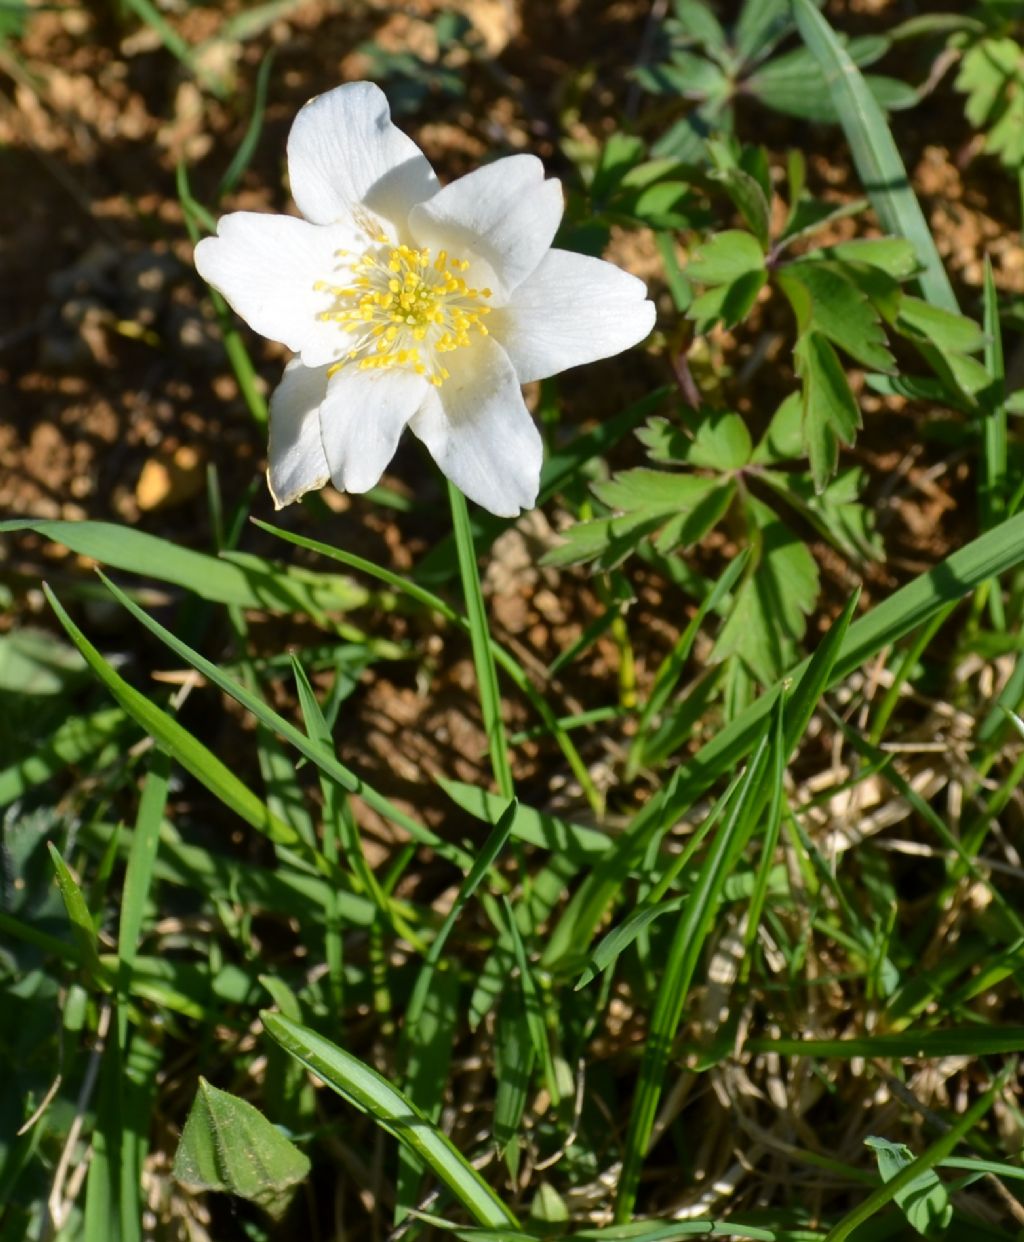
769 616
823 300
606 541
831 415
620 153
249 582
793 84
228 1145
653 490
682 506
924 1201
912 1172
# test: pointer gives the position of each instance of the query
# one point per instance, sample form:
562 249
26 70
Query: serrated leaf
923 1201
657 491
893 255
606 541
699 23
769 616
747 194
228 1145
835 512
811 214
831 415
686 74
992 77
761 25
686 506
784 437
721 442
947 331
726 257
689 527
730 304
618 156
970 374
660 206
824 300
794 84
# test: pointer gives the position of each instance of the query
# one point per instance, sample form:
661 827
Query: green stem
483 655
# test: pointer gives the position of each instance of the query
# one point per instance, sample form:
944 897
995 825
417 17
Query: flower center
403 308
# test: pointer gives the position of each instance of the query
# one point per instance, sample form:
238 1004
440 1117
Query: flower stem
483 656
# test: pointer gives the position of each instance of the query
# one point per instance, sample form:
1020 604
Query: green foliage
991 77
489 1009
412 80
702 62
227 1145
729 480
924 1200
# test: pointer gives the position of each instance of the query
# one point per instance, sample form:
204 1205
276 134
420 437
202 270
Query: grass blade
992 554
874 151
295 737
180 744
670 669
684 954
78 915
393 1112
431 1012
992 492
939 1150
504 660
252 583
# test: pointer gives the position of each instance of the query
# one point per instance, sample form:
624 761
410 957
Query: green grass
700 954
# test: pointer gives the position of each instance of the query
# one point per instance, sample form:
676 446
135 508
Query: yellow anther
401 301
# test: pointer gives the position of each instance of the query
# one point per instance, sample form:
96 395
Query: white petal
344 154
504 212
479 431
266 266
361 420
297 461
573 309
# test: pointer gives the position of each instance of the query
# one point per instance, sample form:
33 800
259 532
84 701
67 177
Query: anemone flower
412 304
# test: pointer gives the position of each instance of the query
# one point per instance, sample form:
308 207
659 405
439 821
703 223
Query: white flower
412 304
